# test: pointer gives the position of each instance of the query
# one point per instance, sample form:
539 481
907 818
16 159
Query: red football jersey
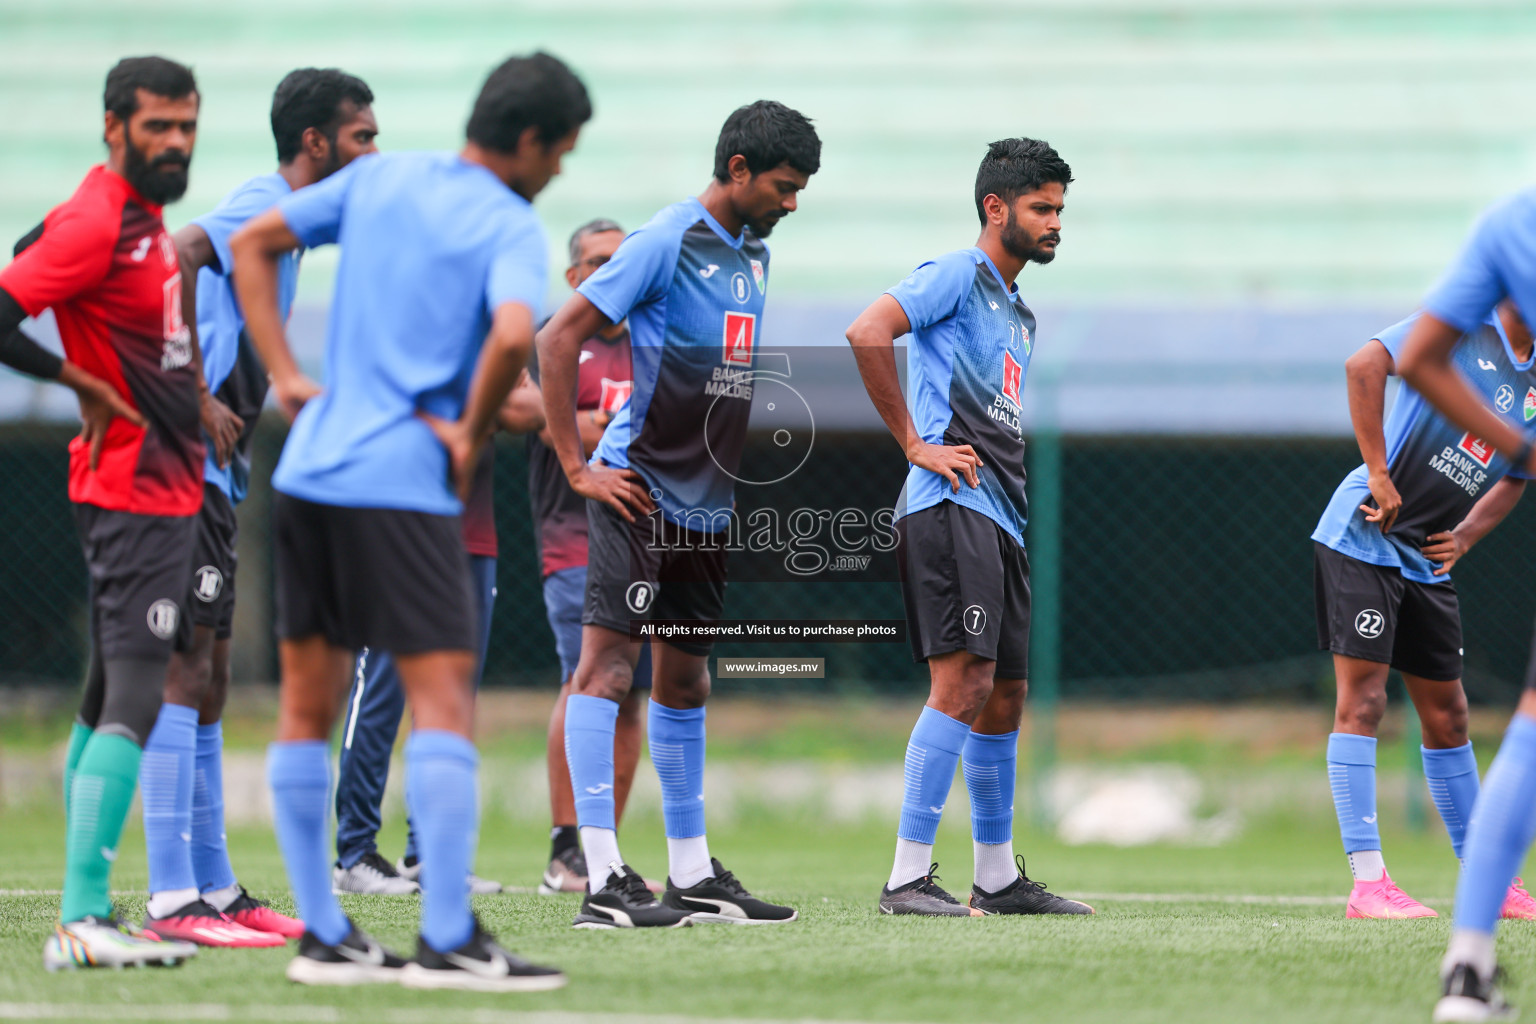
108 268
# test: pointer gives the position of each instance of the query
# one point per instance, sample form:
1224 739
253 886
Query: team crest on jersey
1529 405
1480 450
740 331
615 392
1013 378
759 276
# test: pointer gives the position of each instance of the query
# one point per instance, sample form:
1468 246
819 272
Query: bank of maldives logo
740 329
1476 447
1013 377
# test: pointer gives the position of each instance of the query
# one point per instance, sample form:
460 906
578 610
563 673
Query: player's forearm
255 250
1490 510
194 252
523 411
559 354
1425 364
17 350
1366 373
875 354
502 359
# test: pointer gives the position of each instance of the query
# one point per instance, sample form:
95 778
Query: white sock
1367 865
169 901
219 899
688 861
995 869
601 848
912 862
1469 947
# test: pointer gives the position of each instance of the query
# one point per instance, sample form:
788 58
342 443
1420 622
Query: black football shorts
214 559
138 566
965 584
1375 613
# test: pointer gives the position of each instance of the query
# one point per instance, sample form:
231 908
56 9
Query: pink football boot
1518 904
1383 899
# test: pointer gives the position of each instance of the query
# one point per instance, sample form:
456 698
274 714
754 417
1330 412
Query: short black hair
592 227
767 134
154 75
536 91
1015 167
312 98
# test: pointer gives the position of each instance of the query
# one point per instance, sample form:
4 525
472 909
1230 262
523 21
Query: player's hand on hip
100 404
222 426
1388 502
623 490
1446 548
949 461
292 392
463 451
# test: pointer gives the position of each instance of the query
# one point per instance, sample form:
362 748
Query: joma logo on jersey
740 332
1013 377
614 394
1480 450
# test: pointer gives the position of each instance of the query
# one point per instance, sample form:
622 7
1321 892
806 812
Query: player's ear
112 131
996 209
314 143
737 168
570 276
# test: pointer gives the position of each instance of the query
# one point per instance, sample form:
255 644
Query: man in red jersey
106 266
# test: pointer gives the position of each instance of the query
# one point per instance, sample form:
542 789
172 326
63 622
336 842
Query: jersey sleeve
220 223
520 269
934 291
73 255
639 272
1392 338
314 213
1474 282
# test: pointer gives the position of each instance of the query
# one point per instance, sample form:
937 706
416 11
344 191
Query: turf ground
1253 930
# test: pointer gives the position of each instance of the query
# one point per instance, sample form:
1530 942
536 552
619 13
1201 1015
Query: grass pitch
1254 930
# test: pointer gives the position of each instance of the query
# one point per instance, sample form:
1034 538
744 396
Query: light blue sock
210 849
165 787
590 723
1501 831
442 787
299 773
1452 779
932 753
991 765
676 738
1352 776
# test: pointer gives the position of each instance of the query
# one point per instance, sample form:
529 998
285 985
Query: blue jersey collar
982 257
735 242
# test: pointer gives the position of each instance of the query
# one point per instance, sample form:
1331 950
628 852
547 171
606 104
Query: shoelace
1397 898
1032 886
632 886
245 901
1518 887
931 888
728 881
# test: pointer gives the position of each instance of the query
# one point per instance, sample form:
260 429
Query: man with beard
691 283
107 267
960 524
321 121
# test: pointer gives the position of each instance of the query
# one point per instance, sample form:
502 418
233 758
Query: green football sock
100 794
78 734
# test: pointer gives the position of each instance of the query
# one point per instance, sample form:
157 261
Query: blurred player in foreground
604 382
107 267
660 487
442 271
960 524
1497 262
321 121
1383 551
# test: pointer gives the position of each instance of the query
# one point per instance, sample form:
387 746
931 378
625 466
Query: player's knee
132 700
1361 712
1445 724
606 677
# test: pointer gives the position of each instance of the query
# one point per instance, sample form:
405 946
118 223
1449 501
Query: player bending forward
960 526
691 282
1384 549
443 267
1497 263
321 121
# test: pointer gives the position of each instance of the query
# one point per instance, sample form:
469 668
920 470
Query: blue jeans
564 592
368 735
